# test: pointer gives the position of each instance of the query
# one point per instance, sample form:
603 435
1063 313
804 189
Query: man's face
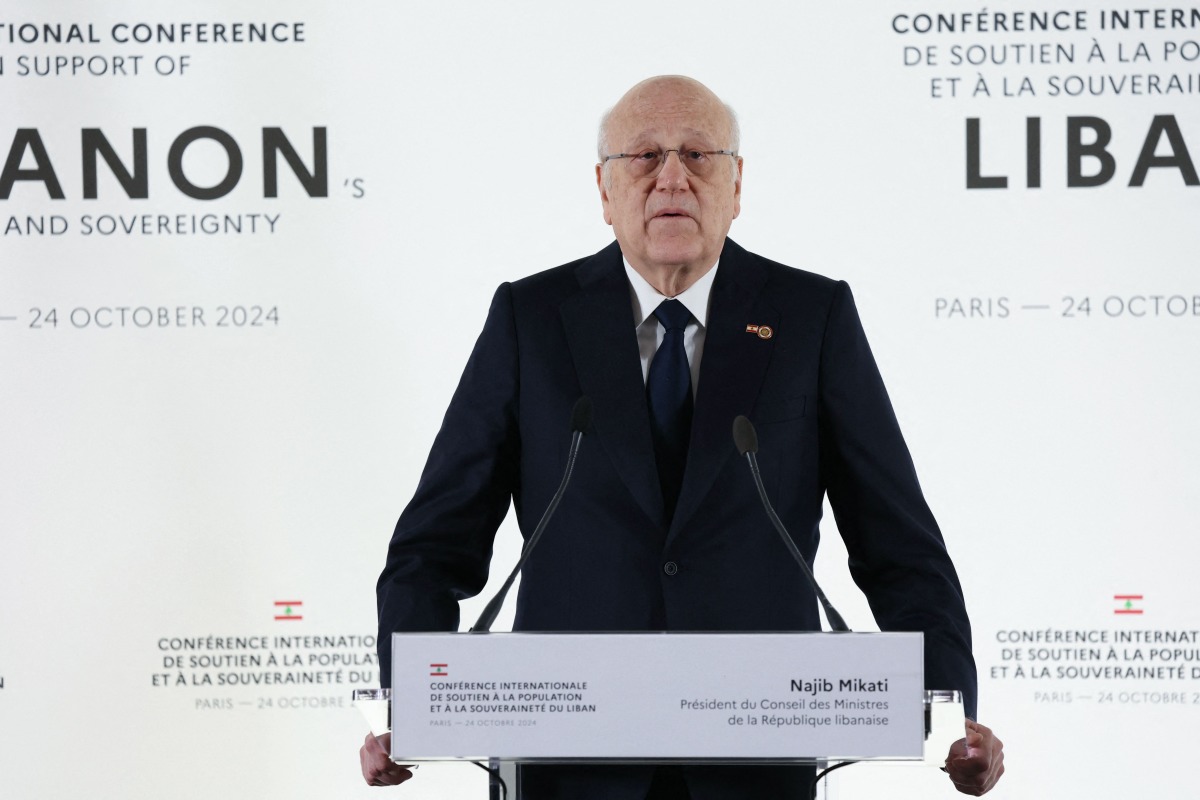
672 219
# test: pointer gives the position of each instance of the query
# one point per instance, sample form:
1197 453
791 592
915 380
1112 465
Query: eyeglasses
647 163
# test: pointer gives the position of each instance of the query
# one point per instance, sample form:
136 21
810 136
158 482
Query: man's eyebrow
690 135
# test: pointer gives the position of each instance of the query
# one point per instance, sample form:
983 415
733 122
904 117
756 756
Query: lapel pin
763 331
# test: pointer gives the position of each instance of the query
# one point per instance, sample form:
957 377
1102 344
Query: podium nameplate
604 697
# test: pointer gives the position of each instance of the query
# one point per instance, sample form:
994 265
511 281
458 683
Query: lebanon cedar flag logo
1127 603
288 609
439 670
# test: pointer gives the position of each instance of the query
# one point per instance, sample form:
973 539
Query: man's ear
603 192
737 189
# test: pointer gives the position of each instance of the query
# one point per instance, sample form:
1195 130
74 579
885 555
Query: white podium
734 698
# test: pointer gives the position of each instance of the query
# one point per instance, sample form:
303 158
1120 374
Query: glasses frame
662 157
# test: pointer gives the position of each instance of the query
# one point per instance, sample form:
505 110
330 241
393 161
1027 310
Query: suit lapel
599 325
732 369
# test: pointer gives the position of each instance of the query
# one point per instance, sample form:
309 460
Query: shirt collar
646 298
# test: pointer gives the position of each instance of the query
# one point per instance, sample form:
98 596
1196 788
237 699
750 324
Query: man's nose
672 176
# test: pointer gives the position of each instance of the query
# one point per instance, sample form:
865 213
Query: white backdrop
171 487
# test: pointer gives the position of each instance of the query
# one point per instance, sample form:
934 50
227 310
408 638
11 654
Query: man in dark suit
672 331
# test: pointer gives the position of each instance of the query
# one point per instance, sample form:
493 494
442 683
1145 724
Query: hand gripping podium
738 698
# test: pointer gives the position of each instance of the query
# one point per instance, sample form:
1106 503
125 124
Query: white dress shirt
650 331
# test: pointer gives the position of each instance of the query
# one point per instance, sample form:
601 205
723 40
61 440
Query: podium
729 698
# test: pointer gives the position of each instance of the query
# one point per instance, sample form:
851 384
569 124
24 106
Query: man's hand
976 762
377 766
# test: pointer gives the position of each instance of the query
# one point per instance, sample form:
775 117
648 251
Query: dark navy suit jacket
610 560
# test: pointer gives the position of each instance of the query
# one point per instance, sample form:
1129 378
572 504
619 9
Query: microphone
746 440
581 420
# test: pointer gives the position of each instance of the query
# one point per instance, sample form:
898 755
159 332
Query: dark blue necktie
669 397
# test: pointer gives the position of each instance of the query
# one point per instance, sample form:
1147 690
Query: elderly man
672 331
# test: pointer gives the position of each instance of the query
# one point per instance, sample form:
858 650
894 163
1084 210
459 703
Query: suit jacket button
670 568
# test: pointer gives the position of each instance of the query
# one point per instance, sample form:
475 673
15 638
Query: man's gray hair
602 150
602 143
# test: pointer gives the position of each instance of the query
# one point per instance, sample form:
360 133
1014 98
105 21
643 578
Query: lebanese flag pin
763 331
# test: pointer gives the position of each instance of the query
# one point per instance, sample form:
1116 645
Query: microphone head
581 415
744 436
